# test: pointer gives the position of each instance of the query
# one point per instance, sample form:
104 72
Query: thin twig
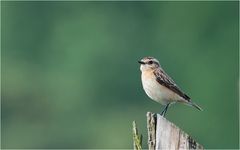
137 140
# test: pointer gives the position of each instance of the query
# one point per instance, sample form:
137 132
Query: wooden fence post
162 134
167 135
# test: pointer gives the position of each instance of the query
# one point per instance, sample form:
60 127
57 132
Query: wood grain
162 134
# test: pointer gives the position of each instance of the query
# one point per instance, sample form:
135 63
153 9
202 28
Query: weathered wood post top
162 134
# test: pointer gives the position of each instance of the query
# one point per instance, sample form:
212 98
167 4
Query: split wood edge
162 134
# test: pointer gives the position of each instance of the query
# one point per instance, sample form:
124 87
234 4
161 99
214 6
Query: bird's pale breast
156 91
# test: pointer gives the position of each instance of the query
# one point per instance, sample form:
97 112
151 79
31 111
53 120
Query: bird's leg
165 110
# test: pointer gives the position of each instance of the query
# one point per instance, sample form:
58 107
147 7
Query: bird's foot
163 113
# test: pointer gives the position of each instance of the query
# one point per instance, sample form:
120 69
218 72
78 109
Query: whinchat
160 87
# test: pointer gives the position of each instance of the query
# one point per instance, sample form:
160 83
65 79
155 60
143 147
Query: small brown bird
160 87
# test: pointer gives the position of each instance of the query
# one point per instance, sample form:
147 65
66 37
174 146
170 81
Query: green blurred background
70 77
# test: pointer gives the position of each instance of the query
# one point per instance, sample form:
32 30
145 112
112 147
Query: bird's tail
195 105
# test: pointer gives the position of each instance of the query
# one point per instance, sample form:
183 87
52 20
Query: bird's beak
141 62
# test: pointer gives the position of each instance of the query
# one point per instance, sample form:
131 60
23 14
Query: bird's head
148 63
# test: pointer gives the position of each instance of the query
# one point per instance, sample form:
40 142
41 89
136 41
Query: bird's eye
150 62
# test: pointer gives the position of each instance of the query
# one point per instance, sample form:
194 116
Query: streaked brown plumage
159 86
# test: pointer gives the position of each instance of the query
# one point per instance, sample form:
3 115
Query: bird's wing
163 79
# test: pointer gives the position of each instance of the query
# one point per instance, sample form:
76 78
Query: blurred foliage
70 77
